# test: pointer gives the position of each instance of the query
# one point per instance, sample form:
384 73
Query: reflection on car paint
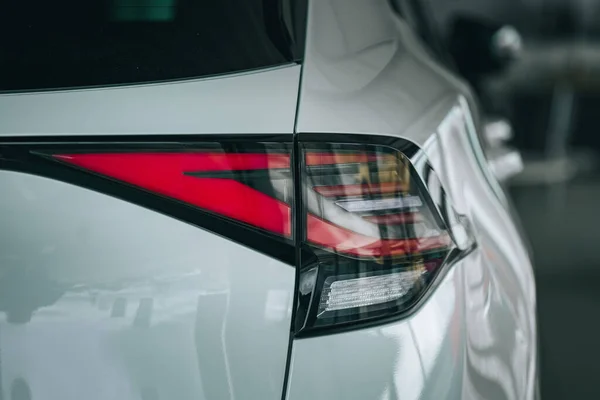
157 319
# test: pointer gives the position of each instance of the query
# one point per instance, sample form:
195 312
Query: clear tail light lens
373 239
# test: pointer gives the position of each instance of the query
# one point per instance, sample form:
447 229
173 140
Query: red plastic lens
171 174
340 240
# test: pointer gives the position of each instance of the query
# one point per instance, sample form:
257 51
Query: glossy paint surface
364 72
103 299
475 335
256 102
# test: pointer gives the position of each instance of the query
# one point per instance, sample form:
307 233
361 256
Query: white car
246 199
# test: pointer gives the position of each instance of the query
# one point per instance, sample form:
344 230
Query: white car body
221 313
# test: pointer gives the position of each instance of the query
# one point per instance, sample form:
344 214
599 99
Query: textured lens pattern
360 292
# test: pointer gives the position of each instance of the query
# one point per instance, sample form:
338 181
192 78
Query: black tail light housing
373 239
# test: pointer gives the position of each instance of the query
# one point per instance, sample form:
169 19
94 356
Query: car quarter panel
103 299
474 336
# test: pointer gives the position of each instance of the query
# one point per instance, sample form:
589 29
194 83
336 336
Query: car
282 199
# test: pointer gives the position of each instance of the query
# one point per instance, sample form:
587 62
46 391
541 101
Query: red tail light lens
253 188
375 238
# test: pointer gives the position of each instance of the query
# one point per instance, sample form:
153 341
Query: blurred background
535 65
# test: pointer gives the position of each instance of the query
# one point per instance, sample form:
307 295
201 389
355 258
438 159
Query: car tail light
250 187
373 241
369 239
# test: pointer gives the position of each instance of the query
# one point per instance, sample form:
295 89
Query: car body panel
475 335
103 299
221 317
365 72
253 102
